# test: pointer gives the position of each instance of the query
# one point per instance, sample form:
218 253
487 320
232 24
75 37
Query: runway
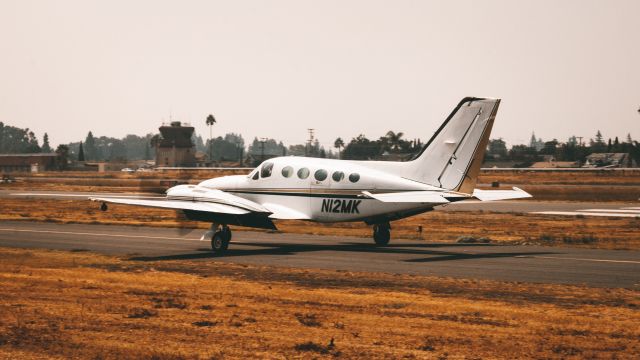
600 268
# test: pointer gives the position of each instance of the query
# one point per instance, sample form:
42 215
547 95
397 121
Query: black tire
381 234
218 244
226 233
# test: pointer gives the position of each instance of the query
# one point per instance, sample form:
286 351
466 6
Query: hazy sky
276 68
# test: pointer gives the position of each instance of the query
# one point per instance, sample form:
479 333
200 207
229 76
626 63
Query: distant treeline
231 147
14 140
573 150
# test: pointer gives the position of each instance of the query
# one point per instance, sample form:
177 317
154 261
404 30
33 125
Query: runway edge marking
97 234
578 259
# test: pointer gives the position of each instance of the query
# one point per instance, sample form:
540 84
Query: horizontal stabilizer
430 197
492 195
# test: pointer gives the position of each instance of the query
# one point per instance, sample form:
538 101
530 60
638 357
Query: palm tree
339 143
394 139
210 121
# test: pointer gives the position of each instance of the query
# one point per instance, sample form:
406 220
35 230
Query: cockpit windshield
254 174
266 170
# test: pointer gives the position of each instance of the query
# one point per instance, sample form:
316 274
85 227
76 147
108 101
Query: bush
141 313
473 240
312 347
310 320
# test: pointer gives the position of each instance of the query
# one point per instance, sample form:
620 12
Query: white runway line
580 259
97 234
612 211
574 213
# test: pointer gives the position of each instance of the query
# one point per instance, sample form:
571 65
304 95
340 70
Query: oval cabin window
321 175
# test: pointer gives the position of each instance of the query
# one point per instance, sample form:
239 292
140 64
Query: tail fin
452 158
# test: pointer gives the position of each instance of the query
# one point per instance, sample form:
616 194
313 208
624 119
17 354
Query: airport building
27 162
175 146
618 160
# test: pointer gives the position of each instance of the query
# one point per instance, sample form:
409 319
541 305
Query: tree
210 121
90 147
32 142
16 140
229 148
549 147
80 152
497 148
338 144
361 148
394 140
116 150
63 156
598 145
46 148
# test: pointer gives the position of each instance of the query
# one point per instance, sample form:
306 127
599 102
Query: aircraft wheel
381 234
218 243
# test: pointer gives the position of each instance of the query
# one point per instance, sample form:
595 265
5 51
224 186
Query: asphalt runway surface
600 268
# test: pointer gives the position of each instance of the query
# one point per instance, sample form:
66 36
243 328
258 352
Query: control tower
175 147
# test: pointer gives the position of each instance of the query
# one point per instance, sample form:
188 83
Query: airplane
330 190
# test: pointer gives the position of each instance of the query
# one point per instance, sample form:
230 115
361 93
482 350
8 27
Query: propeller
152 186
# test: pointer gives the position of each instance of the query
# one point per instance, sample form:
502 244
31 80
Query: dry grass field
603 177
565 186
64 305
593 232
524 176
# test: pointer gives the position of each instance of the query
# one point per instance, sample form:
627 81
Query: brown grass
80 305
438 226
604 177
565 186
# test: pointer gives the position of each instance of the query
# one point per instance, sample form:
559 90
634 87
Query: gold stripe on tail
471 176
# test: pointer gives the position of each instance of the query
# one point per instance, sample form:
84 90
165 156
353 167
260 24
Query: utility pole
240 152
262 141
579 140
307 149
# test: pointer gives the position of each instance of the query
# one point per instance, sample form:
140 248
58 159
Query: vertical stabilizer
452 158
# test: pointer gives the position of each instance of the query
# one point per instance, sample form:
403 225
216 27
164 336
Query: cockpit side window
266 170
254 174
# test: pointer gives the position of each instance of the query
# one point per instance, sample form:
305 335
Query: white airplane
328 190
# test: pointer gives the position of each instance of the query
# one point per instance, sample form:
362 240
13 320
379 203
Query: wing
203 204
491 195
165 203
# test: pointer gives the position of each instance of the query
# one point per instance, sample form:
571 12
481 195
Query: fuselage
323 190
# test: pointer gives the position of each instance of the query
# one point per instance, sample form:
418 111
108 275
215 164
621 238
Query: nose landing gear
381 234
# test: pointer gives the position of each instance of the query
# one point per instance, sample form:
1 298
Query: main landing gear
220 236
382 233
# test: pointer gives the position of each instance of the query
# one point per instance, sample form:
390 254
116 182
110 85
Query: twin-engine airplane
328 190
